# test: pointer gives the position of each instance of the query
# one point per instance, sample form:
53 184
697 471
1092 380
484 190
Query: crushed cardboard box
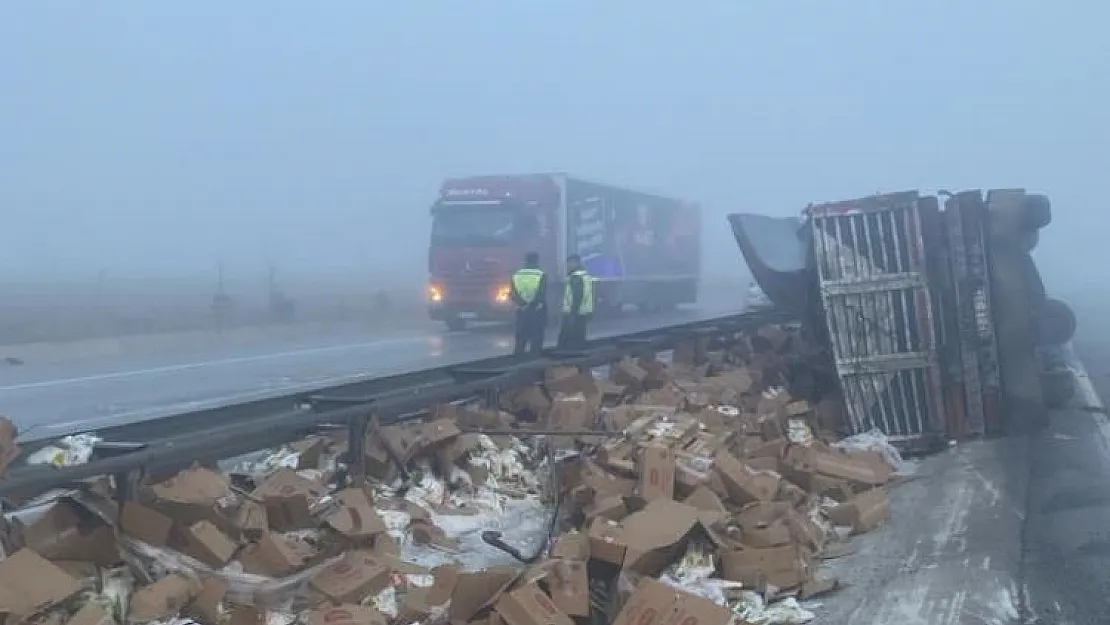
711 479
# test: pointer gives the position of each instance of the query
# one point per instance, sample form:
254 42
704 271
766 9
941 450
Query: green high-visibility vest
526 281
587 306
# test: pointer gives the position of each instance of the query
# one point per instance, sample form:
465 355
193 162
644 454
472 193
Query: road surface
50 399
1006 531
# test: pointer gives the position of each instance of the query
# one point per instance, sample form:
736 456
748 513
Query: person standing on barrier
529 293
578 305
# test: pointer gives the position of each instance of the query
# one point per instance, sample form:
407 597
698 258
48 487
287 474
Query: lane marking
134 373
119 375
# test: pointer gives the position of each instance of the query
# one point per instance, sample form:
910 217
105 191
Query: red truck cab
481 229
641 249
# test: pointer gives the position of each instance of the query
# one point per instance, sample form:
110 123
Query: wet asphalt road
1067 530
50 399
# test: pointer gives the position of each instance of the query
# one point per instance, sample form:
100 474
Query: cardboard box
357 575
568 582
569 380
606 541
569 412
145 524
162 599
30 584
572 546
9 451
657 472
356 517
866 469
276 555
655 603
742 483
528 403
628 373
863 512
420 602
530 605
288 498
655 536
205 542
782 567
477 590
343 614
70 531
207 607
251 518
91 614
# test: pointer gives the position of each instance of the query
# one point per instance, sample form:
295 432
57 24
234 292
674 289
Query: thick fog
154 138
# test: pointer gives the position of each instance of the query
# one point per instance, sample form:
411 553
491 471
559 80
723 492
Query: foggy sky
155 137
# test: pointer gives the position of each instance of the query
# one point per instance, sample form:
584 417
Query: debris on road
9 451
714 492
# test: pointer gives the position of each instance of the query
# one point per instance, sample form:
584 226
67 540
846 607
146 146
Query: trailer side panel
872 271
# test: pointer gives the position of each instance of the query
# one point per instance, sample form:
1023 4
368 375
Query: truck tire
1054 322
1036 211
455 324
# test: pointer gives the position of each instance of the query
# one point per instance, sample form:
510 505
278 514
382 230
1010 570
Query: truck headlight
435 293
504 294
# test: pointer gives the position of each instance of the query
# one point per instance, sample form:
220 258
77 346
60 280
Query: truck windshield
477 225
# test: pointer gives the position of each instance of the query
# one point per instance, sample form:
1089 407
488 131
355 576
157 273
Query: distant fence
58 316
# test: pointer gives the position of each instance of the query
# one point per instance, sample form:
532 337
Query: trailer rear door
871 262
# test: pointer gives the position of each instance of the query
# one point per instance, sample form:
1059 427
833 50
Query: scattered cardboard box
9 450
863 512
655 603
30 584
657 472
530 605
163 599
354 577
712 435
288 499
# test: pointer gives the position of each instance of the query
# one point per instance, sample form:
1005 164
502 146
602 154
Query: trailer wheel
1036 211
455 324
1055 323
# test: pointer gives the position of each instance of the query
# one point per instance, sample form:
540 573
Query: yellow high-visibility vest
587 307
526 281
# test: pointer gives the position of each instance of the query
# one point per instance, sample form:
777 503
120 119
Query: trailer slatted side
871 264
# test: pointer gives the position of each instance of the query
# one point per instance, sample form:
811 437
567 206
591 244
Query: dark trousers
530 326
572 331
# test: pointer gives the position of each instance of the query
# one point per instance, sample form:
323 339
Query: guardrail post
493 398
127 485
126 482
356 447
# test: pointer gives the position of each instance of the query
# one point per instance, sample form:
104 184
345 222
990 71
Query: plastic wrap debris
67 452
876 441
716 486
242 588
798 432
694 572
751 607
523 524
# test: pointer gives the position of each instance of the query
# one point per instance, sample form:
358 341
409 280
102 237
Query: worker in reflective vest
578 305
529 293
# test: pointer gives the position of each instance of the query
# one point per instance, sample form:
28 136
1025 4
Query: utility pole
221 301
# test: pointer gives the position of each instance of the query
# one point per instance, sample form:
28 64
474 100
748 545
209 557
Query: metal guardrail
175 441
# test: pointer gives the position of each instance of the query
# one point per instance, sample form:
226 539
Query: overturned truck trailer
931 309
